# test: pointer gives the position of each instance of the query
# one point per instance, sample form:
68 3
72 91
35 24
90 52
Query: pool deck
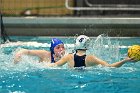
71 26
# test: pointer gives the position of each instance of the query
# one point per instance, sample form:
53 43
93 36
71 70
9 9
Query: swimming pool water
29 76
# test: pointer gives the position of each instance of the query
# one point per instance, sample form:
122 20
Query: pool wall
71 26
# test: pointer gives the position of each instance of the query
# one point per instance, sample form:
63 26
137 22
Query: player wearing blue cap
57 50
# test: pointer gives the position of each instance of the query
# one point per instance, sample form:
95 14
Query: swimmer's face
59 50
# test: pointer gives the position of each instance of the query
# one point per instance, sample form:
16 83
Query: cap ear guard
82 42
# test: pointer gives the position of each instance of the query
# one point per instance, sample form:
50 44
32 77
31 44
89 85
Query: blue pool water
29 76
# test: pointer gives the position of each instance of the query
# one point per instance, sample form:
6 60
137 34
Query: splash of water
105 49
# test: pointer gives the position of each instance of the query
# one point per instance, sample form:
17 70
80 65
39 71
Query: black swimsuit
79 60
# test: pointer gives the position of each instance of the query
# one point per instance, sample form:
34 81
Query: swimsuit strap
79 60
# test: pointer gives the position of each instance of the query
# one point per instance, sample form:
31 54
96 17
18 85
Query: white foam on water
17 92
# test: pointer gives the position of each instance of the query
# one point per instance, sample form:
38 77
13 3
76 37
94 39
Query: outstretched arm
120 63
40 53
116 64
18 55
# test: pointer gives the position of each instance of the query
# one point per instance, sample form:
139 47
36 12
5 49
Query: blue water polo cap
54 43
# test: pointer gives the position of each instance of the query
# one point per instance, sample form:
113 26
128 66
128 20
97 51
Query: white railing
102 7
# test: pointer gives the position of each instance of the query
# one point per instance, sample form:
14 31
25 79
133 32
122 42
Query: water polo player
57 50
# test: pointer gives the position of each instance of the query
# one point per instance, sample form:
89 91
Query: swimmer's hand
128 59
17 58
18 55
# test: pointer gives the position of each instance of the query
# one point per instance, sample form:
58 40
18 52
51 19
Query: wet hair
54 43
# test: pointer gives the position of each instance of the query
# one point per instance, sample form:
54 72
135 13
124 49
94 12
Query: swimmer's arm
17 56
96 61
58 63
116 64
40 53
27 52
120 63
62 61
